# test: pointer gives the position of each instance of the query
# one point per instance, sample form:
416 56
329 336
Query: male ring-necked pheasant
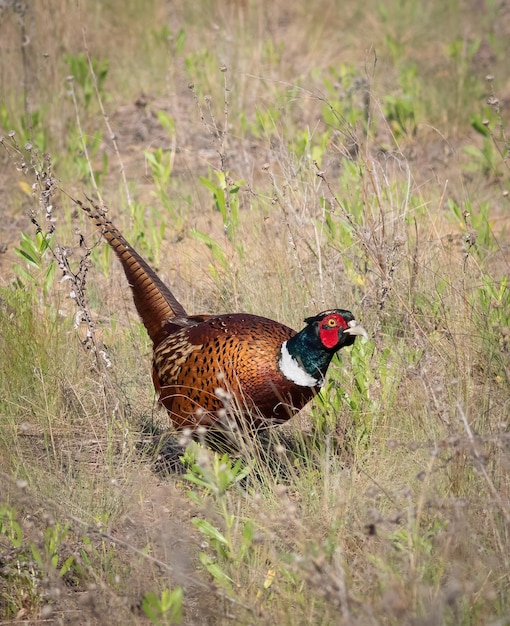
212 368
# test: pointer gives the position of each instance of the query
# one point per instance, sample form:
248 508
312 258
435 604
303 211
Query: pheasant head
305 357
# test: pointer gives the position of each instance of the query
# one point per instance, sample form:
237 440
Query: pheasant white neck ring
293 371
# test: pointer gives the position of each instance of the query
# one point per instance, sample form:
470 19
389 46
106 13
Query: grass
279 161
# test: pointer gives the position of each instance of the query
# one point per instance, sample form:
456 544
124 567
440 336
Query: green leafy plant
400 108
341 228
9 526
362 404
491 309
228 548
80 71
221 265
416 541
30 126
490 158
54 537
226 201
346 102
227 551
263 123
217 476
161 162
475 224
461 52
312 147
165 608
226 257
148 230
84 150
40 266
165 37
201 65
27 564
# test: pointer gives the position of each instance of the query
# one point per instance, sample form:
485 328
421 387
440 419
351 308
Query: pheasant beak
356 329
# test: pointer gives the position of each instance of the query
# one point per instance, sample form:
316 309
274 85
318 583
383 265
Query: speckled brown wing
236 353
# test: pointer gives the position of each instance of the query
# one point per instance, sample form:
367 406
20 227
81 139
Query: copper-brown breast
237 353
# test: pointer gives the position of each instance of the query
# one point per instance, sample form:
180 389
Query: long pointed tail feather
154 302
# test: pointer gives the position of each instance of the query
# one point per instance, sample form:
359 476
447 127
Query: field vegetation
276 158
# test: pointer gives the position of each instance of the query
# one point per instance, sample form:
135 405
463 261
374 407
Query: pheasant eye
331 322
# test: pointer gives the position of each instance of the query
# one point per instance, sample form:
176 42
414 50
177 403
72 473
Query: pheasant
213 370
